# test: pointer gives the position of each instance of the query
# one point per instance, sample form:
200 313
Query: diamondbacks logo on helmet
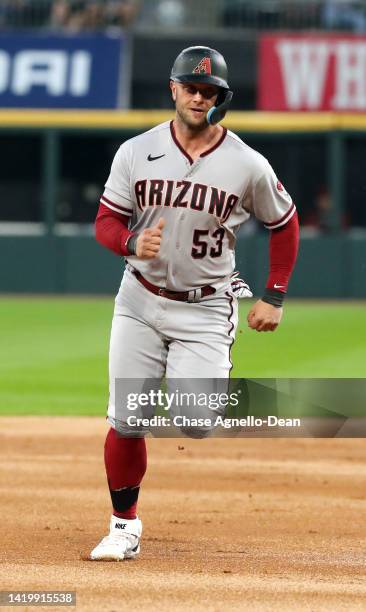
204 66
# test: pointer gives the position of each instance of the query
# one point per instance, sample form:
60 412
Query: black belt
194 295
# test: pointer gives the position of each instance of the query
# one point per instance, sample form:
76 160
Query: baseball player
172 205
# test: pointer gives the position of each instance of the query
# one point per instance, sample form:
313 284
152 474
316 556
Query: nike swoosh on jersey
275 286
151 158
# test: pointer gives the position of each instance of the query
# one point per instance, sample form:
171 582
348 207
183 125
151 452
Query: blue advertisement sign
46 71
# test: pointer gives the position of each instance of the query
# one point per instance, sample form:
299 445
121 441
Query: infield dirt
229 524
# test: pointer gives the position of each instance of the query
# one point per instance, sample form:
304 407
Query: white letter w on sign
303 67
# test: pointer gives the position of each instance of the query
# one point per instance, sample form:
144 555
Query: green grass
53 352
314 340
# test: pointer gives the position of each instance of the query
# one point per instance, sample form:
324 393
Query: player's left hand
239 287
264 317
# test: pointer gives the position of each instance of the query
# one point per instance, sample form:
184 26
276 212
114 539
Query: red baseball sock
125 463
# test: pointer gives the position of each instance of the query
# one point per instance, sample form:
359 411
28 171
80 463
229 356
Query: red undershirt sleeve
111 230
283 248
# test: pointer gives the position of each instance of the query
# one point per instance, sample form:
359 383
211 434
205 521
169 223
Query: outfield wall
331 267
49 256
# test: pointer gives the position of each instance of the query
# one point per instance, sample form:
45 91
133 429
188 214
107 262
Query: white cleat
123 541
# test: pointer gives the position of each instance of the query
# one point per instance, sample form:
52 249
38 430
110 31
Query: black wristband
274 297
131 244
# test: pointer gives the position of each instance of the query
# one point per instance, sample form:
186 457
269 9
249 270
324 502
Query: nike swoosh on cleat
275 286
151 158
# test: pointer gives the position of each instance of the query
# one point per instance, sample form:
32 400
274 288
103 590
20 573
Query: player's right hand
148 242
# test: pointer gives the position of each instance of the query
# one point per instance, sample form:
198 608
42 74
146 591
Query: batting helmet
204 65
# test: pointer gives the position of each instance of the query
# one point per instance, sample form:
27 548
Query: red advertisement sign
312 72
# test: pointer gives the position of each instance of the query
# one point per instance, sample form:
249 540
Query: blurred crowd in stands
88 15
68 15
337 15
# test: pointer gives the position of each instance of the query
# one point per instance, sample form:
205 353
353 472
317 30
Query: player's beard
194 125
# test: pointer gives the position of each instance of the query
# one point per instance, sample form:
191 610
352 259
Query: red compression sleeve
111 230
283 248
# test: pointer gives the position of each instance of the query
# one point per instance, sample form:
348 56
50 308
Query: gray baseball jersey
203 202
